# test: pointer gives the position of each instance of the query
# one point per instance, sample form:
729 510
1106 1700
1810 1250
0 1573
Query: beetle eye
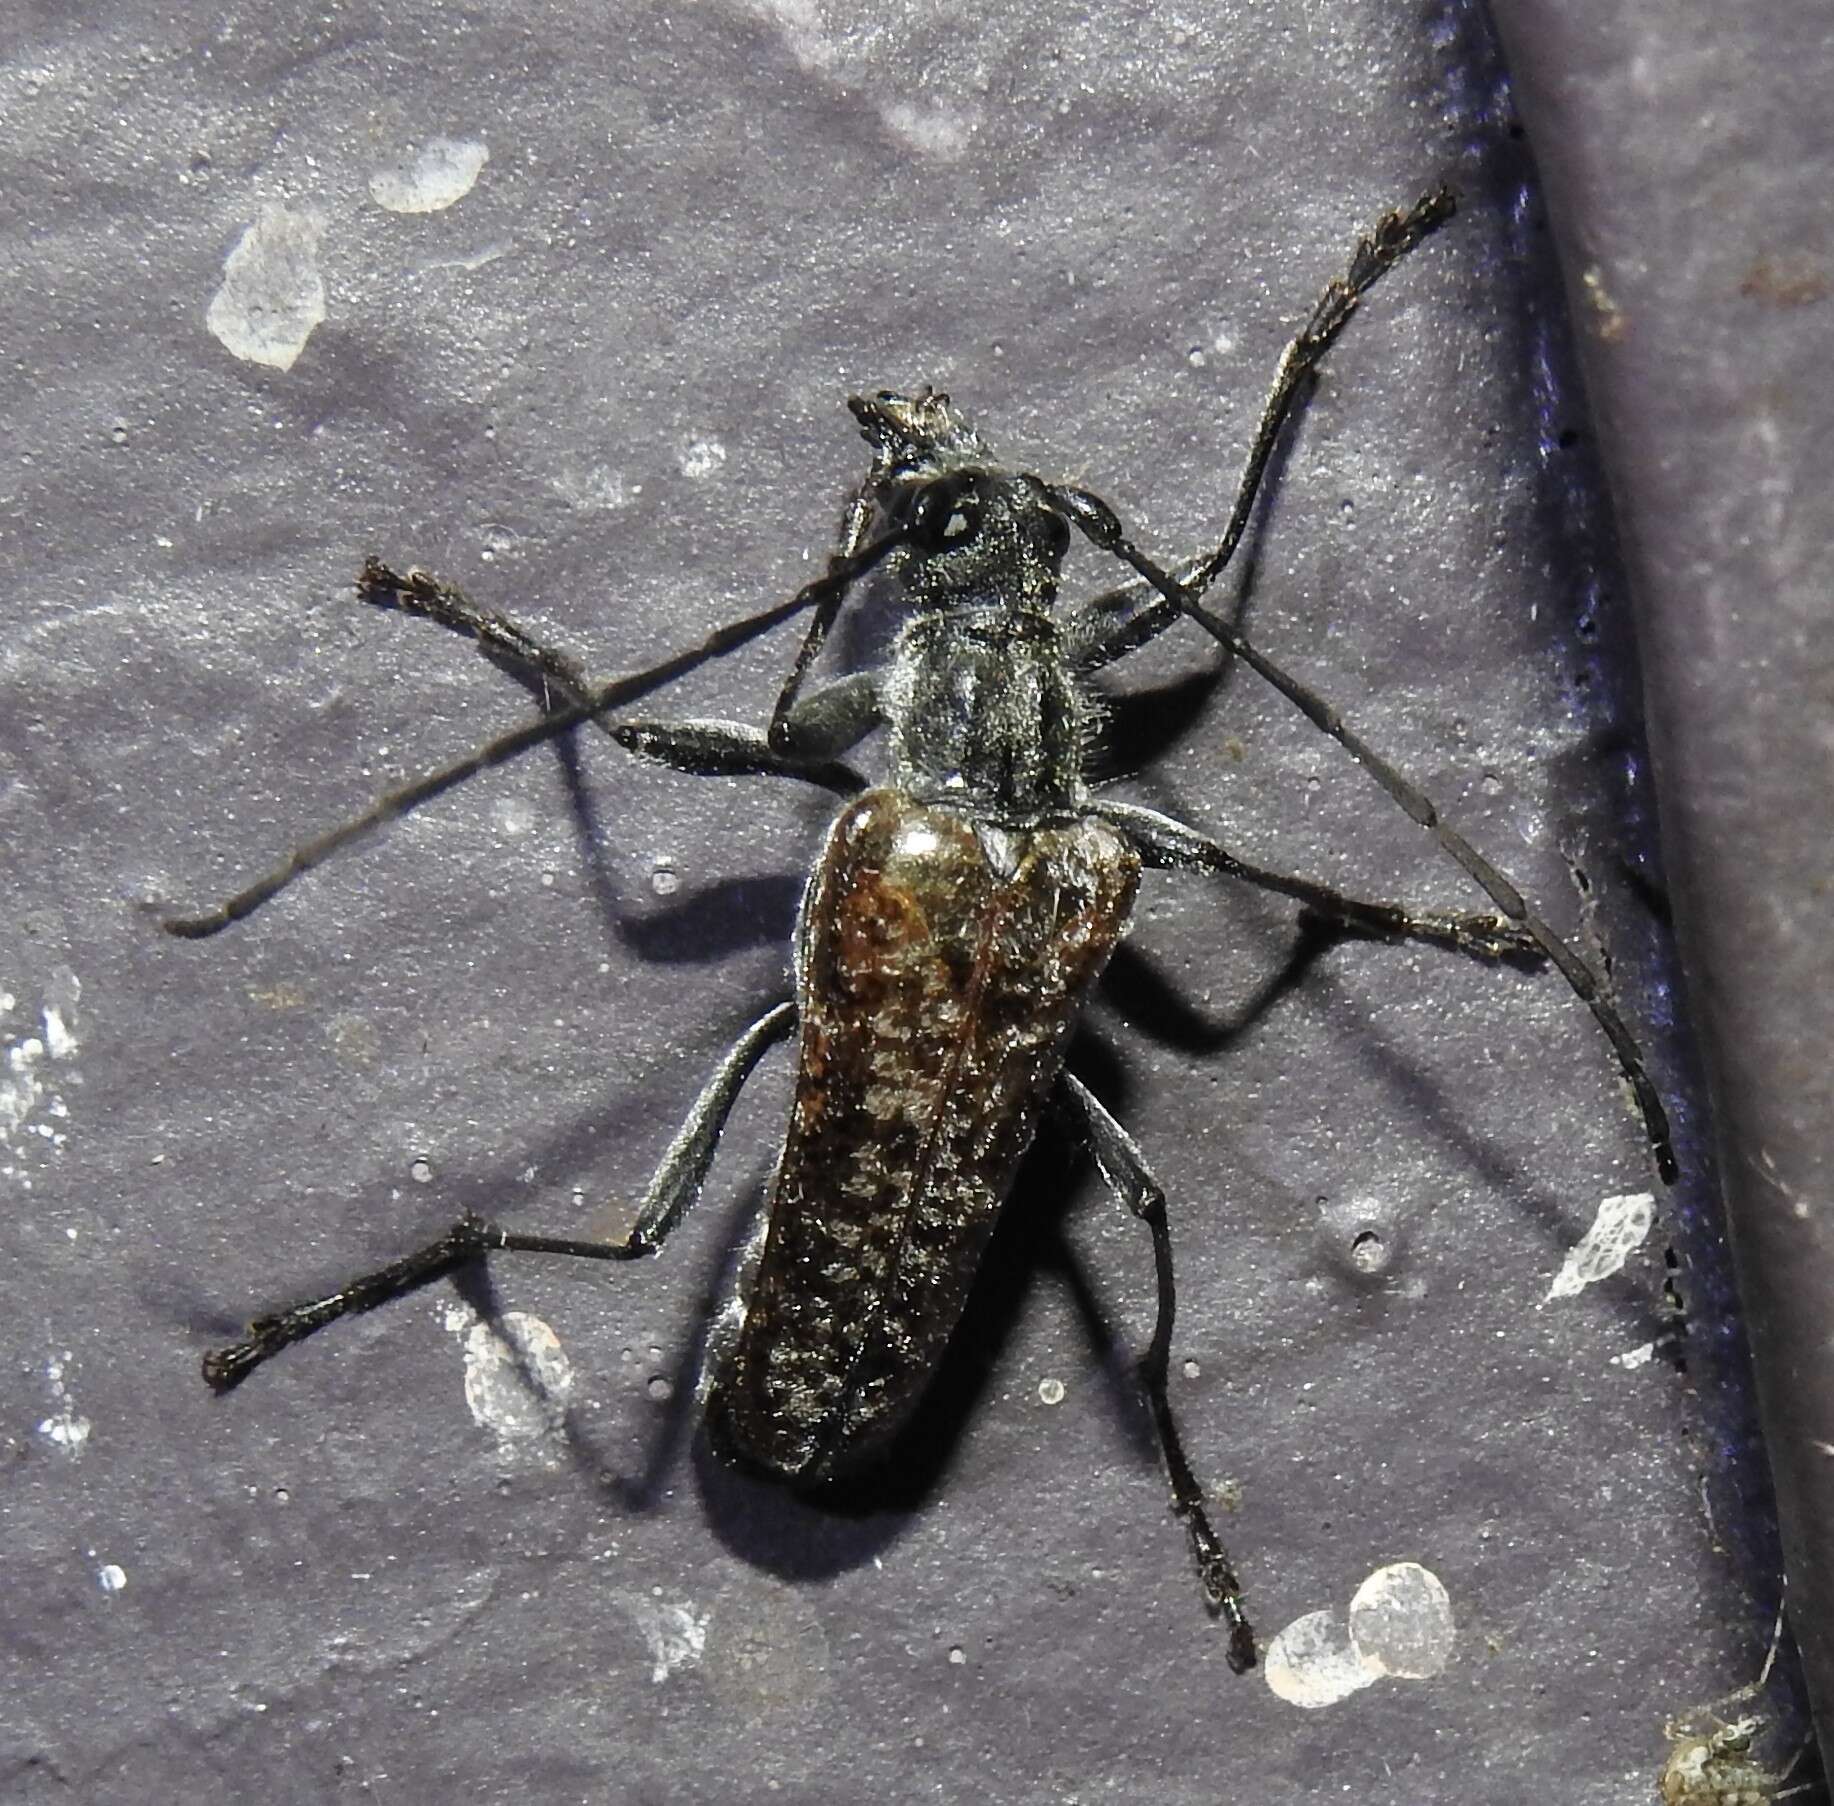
945 514
1054 531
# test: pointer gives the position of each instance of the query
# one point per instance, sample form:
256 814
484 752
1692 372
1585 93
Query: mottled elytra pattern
943 967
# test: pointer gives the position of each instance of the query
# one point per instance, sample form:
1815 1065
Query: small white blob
934 130
272 295
1401 1622
1616 1233
67 1430
110 1578
674 1631
429 178
64 1429
701 459
596 486
1313 1663
803 28
513 817
20 1086
1050 1392
32 1108
517 1381
60 1043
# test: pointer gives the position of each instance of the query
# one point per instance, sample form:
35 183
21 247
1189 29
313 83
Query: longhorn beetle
953 921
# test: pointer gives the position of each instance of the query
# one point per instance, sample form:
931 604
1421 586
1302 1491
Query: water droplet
1401 1622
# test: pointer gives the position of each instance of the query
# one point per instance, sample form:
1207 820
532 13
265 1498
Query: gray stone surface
602 388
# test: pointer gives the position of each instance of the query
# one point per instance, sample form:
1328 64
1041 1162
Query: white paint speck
20 1087
701 459
513 818
64 1429
935 130
60 1043
32 1106
110 1578
1640 1356
804 31
517 1381
596 487
675 1633
429 178
1616 1233
272 295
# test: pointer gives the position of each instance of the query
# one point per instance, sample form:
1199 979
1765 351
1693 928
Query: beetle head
977 534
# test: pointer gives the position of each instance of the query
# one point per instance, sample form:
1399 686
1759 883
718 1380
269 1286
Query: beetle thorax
986 714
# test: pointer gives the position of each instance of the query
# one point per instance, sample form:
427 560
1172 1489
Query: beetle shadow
1156 1007
818 1532
1141 994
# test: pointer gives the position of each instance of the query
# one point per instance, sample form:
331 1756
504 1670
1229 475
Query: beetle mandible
952 924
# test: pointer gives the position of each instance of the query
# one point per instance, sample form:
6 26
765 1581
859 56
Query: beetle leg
1172 845
674 1188
1124 1170
1127 618
821 725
